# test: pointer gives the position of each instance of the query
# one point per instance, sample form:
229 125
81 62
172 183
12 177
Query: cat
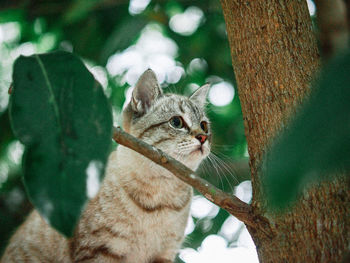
140 212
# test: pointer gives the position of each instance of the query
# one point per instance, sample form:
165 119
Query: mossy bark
275 56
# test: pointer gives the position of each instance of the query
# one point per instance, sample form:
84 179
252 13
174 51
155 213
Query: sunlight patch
245 240
15 152
201 208
152 50
311 6
9 32
230 227
244 191
137 6
25 49
174 75
4 170
93 172
190 226
187 22
221 94
214 249
197 65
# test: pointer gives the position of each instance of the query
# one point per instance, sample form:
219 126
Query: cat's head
173 123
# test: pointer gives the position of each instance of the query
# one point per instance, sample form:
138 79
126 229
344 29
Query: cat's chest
156 225
154 232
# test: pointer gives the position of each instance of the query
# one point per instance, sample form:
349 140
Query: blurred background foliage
185 43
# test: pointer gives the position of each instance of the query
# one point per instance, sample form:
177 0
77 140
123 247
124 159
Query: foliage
317 142
61 115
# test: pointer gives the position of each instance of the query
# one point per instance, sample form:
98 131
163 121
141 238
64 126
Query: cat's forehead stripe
175 104
181 107
193 109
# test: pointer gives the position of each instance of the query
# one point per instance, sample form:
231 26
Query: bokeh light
244 191
9 32
187 22
201 208
221 94
214 248
311 6
152 50
137 6
230 227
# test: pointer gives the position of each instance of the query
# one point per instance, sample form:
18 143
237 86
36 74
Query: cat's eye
177 122
204 126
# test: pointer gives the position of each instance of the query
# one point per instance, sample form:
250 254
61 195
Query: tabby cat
140 212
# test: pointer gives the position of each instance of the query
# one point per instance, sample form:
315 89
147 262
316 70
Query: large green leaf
317 142
61 114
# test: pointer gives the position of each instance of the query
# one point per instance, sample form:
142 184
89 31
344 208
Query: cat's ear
200 95
146 91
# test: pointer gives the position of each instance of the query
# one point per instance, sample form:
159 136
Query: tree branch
231 203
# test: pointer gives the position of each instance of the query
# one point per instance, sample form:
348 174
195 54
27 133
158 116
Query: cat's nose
201 138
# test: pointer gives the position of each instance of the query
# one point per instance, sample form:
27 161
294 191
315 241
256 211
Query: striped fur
140 212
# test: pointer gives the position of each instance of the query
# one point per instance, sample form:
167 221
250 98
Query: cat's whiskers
187 148
223 160
182 154
225 170
185 144
221 168
210 160
223 146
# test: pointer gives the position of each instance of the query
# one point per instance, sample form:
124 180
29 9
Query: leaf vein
52 99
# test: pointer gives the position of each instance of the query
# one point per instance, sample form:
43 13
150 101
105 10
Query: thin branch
231 203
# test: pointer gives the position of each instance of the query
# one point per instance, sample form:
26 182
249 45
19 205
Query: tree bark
274 56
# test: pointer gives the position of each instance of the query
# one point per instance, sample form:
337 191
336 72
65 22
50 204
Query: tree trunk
274 56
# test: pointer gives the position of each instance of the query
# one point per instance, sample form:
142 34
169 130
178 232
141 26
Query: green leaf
317 142
61 114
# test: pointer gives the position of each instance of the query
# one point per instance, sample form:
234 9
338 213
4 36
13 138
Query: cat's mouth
195 152
199 149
